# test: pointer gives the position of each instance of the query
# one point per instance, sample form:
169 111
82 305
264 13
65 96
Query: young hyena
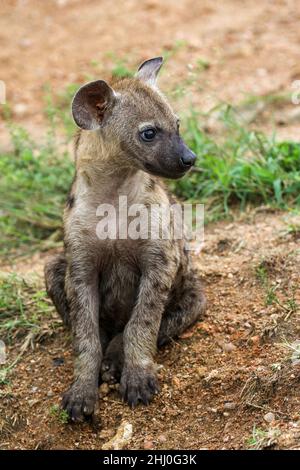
122 297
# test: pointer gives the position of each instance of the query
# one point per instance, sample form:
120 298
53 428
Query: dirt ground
249 48
230 373
235 370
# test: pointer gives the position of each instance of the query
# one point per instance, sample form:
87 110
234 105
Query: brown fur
122 298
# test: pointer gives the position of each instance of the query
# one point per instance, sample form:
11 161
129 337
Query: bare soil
250 48
233 370
219 380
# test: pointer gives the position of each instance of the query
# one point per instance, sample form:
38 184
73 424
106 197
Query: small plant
261 439
61 415
271 297
202 64
293 230
261 274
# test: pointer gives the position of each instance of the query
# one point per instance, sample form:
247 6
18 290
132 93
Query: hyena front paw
138 385
79 401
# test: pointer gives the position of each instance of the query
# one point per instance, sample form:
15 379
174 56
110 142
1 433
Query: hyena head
135 120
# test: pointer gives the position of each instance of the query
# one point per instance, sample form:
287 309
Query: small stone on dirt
228 347
229 405
269 417
104 389
20 109
58 361
148 444
176 381
121 439
255 339
201 371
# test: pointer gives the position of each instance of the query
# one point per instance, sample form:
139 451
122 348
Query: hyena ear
92 104
149 69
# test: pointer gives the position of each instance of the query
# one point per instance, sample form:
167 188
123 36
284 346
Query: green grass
34 181
241 167
257 439
24 307
60 415
26 316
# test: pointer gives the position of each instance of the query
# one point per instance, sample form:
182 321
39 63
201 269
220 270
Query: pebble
104 389
176 381
255 339
228 347
58 361
148 444
201 371
162 438
25 42
20 109
106 433
212 375
121 439
229 405
269 417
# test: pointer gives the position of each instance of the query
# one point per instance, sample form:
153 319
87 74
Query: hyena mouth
171 173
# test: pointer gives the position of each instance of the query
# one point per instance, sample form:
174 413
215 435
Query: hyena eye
148 134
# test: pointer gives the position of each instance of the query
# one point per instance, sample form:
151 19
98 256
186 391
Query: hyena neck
104 175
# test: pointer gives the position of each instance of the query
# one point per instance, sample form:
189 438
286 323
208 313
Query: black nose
187 159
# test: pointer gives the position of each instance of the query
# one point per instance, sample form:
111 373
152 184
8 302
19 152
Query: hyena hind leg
113 360
55 271
181 313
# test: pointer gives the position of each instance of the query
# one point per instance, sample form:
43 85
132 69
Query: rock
255 339
228 347
25 43
104 389
269 417
212 375
106 433
58 361
148 444
162 438
213 410
121 439
176 381
201 371
20 109
229 405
